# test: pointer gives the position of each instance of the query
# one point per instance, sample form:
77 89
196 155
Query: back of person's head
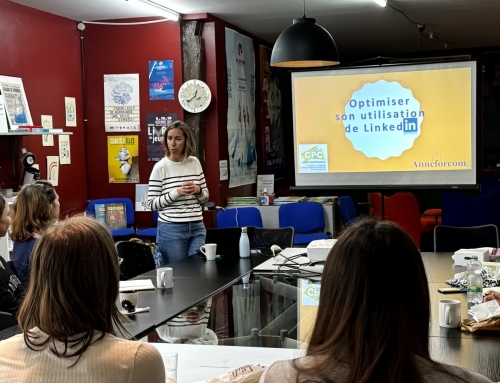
36 206
4 216
73 285
373 312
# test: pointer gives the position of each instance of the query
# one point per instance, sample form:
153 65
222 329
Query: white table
198 363
270 218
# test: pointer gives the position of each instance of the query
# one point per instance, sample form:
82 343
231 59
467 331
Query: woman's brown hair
373 314
32 210
189 145
73 286
2 204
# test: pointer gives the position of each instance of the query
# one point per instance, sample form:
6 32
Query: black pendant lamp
304 44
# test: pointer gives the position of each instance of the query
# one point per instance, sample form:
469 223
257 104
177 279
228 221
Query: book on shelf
240 201
291 199
322 200
116 216
100 212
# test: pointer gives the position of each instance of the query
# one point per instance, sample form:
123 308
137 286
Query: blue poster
161 80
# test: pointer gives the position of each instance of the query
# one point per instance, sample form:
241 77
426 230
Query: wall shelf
18 134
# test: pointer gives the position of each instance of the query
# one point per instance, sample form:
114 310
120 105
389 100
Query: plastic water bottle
244 244
474 281
264 199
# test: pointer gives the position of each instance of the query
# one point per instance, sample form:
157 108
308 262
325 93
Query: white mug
449 313
209 250
128 300
165 278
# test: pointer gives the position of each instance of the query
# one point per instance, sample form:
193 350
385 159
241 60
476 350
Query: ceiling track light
304 44
159 9
382 3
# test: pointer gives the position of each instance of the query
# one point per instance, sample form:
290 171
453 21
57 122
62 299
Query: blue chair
307 218
239 217
347 209
150 231
129 212
488 185
462 211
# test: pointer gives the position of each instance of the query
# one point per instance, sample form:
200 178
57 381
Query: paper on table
138 284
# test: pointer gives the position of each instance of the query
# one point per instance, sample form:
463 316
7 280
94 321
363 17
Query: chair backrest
304 217
463 211
239 217
348 209
265 238
488 185
451 239
227 240
137 259
376 202
129 207
401 208
6 320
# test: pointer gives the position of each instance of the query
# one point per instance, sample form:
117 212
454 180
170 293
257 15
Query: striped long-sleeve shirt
165 178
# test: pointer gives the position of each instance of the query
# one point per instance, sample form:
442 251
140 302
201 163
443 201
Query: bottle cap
243 229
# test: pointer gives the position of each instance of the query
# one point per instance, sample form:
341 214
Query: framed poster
16 103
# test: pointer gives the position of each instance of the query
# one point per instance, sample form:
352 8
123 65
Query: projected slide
400 120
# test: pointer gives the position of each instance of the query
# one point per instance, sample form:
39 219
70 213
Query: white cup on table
164 278
209 250
449 313
170 360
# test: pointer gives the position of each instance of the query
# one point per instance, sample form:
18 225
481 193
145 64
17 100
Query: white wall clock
195 96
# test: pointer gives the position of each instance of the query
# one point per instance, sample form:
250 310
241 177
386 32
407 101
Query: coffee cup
209 250
128 300
164 278
449 313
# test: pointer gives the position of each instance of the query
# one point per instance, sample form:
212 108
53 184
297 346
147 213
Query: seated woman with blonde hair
35 208
372 324
69 315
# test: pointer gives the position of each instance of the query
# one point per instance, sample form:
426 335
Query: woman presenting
177 188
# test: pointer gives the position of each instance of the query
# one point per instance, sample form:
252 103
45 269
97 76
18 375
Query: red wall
44 50
122 50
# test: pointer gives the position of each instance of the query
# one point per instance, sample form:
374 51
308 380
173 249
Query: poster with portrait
270 116
161 80
15 102
123 159
240 63
156 125
121 102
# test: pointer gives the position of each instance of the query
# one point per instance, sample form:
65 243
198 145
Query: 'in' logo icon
410 125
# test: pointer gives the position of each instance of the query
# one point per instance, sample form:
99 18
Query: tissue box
483 255
317 251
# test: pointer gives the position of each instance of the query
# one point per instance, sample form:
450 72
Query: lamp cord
304 9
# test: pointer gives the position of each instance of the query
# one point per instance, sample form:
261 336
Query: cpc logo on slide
382 119
313 158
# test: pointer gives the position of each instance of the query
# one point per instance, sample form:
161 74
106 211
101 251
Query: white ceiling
359 27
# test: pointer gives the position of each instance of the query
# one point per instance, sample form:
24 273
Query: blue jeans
179 240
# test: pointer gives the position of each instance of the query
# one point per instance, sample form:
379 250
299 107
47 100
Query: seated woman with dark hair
11 291
372 324
35 208
70 314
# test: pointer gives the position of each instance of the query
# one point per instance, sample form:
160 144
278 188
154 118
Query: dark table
195 280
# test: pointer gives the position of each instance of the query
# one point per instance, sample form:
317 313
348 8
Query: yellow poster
407 121
123 159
